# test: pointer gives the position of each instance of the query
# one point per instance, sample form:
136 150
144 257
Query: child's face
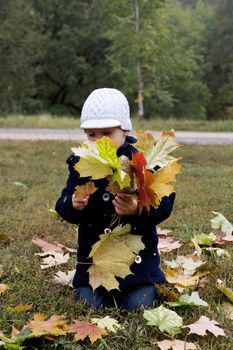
115 134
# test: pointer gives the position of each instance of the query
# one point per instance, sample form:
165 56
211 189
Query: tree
20 50
73 59
219 59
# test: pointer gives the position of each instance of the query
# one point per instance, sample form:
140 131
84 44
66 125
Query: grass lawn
48 121
205 185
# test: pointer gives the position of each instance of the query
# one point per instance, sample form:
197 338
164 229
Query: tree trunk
139 72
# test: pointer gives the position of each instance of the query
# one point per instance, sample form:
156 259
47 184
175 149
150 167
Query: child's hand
79 203
126 204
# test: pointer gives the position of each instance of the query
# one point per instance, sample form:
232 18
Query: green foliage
171 58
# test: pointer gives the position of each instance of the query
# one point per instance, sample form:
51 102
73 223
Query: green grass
48 121
205 184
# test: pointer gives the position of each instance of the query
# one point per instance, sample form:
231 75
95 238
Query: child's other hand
126 204
79 203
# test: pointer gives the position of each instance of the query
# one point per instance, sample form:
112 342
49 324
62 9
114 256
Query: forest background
171 58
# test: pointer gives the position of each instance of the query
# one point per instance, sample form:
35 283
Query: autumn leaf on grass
112 256
46 246
176 345
54 326
3 288
86 329
189 300
227 291
221 224
205 324
64 278
204 239
85 190
166 320
228 309
189 263
53 260
168 244
182 279
157 151
20 308
107 323
164 232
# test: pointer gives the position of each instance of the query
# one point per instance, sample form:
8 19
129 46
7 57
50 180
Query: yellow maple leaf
55 326
157 151
162 178
20 308
112 256
85 190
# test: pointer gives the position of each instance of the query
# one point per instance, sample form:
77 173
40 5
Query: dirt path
199 137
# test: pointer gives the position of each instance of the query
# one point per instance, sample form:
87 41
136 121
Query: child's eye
106 133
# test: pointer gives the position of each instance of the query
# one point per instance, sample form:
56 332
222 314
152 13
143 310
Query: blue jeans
128 299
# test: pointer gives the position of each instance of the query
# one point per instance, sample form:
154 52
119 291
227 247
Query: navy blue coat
97 215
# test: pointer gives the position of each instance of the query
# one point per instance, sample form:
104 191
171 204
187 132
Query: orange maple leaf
85 190
86 329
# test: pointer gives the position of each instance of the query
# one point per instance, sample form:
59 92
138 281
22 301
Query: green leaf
204 239
166 320
189 300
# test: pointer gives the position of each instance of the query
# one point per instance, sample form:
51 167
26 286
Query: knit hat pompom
106 108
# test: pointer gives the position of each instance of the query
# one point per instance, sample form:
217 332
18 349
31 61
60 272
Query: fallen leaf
227 291
64 278
204 239
20 184
164 232
86 329
168 244
4 237
53 260
176 345
205 324
191 300
180 277
107 323
228 309
85 190
3 288
20 308
166 320
54 326
189 263
221 224
46 246
219 251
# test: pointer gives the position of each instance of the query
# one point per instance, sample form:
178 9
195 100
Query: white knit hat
106 108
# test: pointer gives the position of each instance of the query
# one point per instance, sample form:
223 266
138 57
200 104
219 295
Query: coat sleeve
64 205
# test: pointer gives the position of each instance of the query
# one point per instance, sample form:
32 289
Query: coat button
106 197
138 259
107 230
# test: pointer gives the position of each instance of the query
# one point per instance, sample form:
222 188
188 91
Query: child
106 113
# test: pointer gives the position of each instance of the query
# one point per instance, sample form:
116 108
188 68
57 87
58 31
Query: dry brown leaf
3 288
86 329
182 279
85 190
205 324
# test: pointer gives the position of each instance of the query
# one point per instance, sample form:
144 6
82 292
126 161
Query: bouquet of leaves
137 176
